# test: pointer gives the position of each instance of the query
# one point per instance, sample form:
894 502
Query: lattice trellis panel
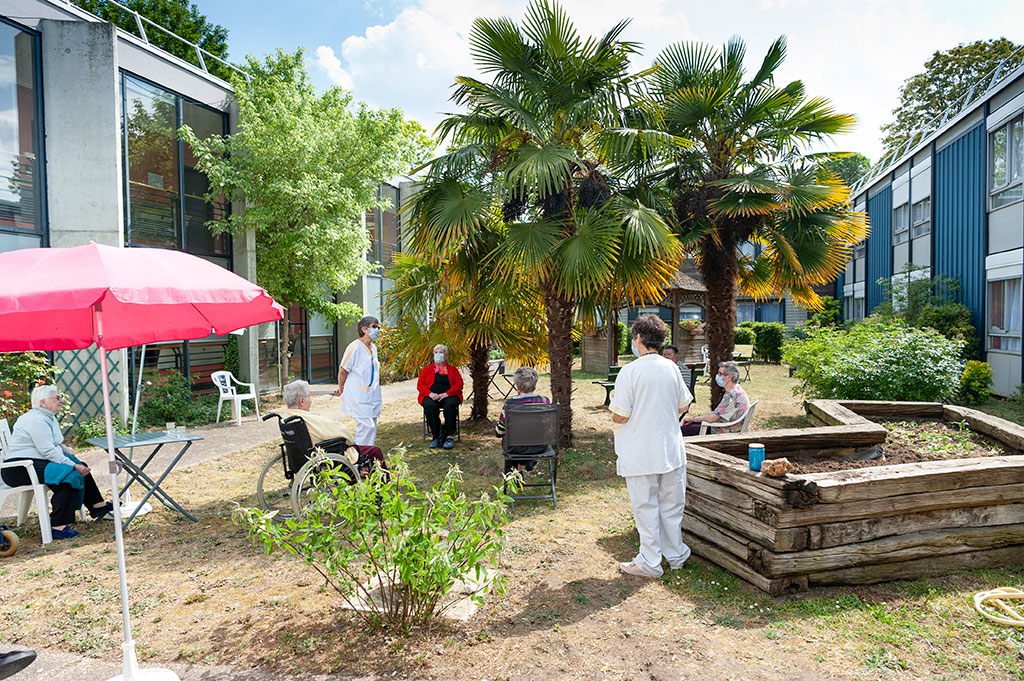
81 380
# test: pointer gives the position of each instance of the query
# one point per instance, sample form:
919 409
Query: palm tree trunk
559 312
721 274
480 374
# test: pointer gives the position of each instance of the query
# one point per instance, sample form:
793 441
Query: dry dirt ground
201 593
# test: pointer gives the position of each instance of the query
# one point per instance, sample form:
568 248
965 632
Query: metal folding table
137 473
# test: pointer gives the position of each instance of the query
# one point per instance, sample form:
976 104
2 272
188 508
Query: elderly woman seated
299 400
525 381
37 437
440 389
733 406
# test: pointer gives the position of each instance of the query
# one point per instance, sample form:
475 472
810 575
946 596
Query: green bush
952 320
876 360
417 544
231 357
975 382
743 335
624 338
769 338
20 372
169 398
97 427
830 314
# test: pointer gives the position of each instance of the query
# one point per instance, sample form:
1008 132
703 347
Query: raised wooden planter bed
854 526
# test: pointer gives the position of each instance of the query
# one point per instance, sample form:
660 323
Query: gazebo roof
684 282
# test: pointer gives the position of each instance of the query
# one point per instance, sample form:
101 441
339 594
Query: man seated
299 401
733 406
671 353
525 381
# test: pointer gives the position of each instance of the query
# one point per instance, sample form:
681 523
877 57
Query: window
860 249
744 311
858 312
691 312
21 162
1007 163
848 307
901 224
166 205
1004 310
922 217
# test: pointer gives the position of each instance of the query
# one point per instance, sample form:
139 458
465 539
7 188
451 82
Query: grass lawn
201 593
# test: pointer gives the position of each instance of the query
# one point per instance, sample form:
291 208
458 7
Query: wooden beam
897 410
745 524
922 567
1007 432
832 413
710 552
778 442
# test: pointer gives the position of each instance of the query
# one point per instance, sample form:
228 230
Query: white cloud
329 62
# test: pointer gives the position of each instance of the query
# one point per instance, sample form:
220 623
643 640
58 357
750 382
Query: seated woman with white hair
37 437
299 399
440 389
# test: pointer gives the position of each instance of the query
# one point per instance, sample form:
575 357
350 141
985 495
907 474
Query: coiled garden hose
992 606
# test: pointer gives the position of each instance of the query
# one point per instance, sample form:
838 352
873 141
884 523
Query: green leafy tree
549 126
181 17
948 76
849 167
747 179
305 168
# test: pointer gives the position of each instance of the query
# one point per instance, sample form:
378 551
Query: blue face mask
438 357
720 381
373 332
632 346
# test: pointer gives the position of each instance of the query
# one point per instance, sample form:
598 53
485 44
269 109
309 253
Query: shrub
769 337
876 360
97 427
231 357
830 314
975 382
952 320
624 338
169 398
20 372
743 335
416 544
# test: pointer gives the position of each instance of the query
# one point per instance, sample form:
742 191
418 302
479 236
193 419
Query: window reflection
20 182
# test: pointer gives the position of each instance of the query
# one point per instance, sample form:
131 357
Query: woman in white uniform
359 382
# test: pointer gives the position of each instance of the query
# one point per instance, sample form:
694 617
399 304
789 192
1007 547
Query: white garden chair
226 383
24 493
743 421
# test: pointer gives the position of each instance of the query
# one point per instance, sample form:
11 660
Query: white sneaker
680 564
631 568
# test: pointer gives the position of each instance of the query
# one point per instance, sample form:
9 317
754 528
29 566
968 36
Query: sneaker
680 564
449 443
13 662
66 533
434 444
101 512
631 568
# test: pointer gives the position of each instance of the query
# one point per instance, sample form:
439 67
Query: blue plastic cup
755 454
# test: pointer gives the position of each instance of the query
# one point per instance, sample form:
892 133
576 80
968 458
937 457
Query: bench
609 383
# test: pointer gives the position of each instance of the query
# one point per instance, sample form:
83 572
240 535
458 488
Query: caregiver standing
359 382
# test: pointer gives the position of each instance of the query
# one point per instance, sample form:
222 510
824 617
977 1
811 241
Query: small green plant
386 546
769 337
97 427
875 360
975 382
743 335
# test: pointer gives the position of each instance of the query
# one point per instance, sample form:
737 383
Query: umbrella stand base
128 507
133 673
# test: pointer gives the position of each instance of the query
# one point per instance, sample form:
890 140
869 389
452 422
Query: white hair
441 348
525 379
43 392
731 369
294 393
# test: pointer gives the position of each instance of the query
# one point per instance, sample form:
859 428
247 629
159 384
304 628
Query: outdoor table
137 473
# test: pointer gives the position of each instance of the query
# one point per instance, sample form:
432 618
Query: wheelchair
288 478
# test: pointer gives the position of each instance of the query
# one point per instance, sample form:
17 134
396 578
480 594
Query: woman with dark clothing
36 437
440 389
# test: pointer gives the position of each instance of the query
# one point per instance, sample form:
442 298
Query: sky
406 53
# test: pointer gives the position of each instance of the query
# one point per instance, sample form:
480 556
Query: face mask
438 357
632 346
720 381
373 332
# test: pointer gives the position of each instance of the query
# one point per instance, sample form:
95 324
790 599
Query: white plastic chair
226 382
25 493
743 421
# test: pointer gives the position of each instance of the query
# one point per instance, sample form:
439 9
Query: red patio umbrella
70 298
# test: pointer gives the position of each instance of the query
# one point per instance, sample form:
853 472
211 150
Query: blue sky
405 53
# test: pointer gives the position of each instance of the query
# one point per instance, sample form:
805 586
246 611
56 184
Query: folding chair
458 427
532 425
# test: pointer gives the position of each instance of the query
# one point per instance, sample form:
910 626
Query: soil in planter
911 441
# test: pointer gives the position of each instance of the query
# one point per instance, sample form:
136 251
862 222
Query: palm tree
459 301
549 129
748 178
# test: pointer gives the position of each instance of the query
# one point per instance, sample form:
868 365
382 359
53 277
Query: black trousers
432 410
64 495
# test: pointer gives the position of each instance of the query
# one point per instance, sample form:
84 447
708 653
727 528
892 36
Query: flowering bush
19 373
876 360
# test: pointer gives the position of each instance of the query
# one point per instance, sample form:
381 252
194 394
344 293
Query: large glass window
922 217
1004 315
21 163
165 194
1007 142
901 224
744 311
389 225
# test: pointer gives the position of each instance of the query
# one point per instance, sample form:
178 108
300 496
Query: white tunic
361 397
650 392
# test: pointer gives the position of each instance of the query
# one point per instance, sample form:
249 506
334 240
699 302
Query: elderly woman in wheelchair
286 479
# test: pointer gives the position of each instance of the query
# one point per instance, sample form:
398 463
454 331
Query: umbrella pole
131 665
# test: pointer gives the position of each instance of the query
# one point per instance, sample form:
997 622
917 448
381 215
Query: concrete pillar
84 176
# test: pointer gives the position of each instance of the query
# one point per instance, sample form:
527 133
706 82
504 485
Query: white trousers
366 430
658 502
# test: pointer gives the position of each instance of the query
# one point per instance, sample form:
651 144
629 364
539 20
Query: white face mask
373 332
438 357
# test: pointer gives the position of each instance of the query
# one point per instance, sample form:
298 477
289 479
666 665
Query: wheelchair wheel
306 478
274 490
8 543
